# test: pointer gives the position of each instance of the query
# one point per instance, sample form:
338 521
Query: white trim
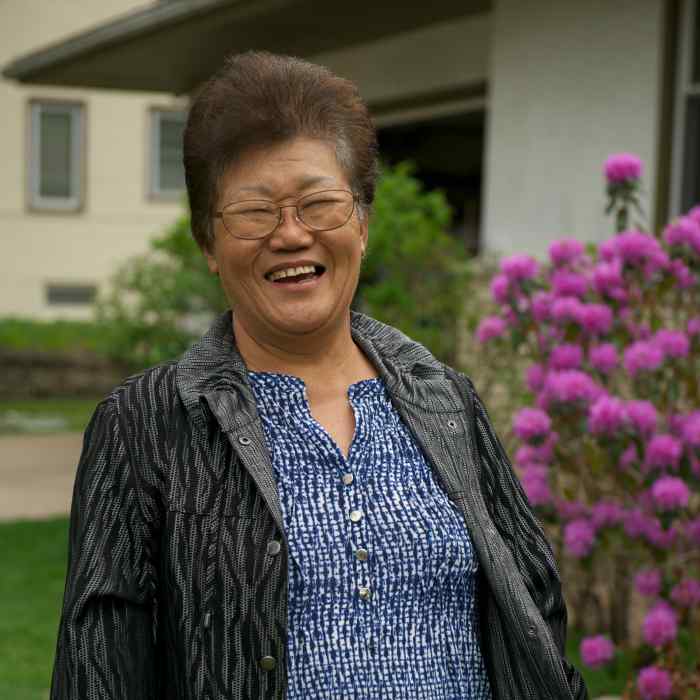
74 201
684 89
155 190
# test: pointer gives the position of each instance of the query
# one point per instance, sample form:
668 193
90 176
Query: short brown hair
260 99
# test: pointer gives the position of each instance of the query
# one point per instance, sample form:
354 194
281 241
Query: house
511 106
89 174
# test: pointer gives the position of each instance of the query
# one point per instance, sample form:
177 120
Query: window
56 155
686 147
167 172
59 294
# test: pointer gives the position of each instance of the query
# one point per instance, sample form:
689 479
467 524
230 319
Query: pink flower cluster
648 582
686 593
613 345
623 166
660 625
684 232
597 651
531 424
579 537
670 493
654 683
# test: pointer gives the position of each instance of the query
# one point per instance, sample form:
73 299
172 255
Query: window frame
35 200
684 90
155 192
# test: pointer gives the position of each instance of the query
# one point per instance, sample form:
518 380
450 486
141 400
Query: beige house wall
570 83
118 216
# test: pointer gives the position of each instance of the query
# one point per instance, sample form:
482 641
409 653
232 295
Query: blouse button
362 554
244 440
273 548
356 516
364 592
348 479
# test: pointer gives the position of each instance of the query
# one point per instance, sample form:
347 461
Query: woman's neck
327 363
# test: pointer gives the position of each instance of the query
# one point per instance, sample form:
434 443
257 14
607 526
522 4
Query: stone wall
28 374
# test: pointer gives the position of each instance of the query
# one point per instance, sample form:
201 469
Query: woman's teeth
291 272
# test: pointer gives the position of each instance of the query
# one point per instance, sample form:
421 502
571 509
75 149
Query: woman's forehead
283 169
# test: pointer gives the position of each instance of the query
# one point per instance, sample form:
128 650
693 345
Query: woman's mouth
295 275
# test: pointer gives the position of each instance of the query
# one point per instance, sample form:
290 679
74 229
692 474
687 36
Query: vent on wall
70 293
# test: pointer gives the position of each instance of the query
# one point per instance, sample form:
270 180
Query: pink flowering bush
610 445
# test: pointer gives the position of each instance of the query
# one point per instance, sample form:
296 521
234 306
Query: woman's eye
319 203
255 212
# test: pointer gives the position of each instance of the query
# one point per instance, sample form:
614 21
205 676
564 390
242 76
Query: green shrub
414 272
159 302
65 336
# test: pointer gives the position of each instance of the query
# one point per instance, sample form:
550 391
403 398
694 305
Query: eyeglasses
257 218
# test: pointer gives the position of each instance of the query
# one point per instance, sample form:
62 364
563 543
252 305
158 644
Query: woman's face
270 309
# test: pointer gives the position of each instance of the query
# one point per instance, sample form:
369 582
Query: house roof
173 46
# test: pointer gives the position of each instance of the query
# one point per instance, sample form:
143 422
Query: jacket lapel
212 374
237 416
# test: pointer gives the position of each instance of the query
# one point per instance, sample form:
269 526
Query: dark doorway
448 154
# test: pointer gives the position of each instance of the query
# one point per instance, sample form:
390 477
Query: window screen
168 172
56 155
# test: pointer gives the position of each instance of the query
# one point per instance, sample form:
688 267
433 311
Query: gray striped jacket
171 591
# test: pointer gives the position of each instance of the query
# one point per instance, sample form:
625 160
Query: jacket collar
410 372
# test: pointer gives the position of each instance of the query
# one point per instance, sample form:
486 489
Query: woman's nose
291 232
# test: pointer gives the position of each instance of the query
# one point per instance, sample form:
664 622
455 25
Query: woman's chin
301 326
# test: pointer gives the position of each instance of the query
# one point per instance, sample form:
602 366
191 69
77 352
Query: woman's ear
364 235
212 263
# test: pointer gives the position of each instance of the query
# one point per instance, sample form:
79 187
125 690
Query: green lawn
31 593
45 415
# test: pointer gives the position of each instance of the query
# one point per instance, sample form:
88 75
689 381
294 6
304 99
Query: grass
32 416
31 594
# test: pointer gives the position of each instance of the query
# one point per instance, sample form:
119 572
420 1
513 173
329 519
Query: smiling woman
253 243
307 504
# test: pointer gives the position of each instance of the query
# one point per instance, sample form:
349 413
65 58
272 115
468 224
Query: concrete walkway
37 474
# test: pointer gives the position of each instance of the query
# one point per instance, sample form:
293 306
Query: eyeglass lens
321 211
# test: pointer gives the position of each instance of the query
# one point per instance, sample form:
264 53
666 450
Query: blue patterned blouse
382 571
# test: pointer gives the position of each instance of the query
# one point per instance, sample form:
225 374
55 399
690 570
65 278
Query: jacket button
244 440
273 548
531 631
452 424
268 663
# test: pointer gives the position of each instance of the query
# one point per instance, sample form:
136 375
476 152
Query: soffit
172 47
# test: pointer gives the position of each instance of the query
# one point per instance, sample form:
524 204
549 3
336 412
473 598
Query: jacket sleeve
105 646
512 514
